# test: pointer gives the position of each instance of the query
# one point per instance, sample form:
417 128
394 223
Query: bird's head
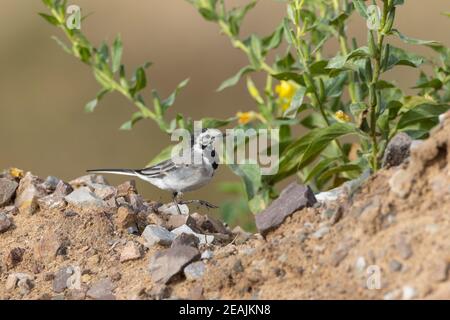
207 137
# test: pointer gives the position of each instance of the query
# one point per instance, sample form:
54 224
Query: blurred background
43 127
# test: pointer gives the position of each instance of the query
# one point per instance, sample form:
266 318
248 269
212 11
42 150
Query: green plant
332 98
312 86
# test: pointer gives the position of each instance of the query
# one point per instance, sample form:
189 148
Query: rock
186 239
125 218
154 234
126 188
241 236
360 264
28 193
207 255
47 248
208 224
321 232
10 211
25 284
14 257
393 295
400 183
176 221
5 223
164 265
238 267
83 198
52 202
22 280
295 197
397 150
131 251
104 192
395 266
204 239
7 190
408 293
170 208
159 292
63 189
196 293
330 196
403 247
88 180
136 202
194 271
61 278
102 290
50 184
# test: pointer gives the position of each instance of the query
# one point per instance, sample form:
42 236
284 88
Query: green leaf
235 79
258 203
339 62
255 55
116 54
134 119
274 40
90 106
312 121
319 168
433 83
50 19
361 8
171 99
399 57
251 175
296 103
298 78
420 114
321 140
345 168
409 40
139 79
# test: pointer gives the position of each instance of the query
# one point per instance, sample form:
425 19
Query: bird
178 176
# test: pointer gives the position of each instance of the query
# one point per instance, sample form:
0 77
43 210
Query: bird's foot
201 203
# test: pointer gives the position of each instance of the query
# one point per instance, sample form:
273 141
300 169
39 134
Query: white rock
194 271
319 234
360 264
204 239
83 197
408 293
154 234
170 208
207 255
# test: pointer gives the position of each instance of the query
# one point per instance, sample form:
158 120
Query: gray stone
7 190
330 196
61 277
63 189
10 211
295 197
5 223
204 239
395 266
194 271
102 290
397 150
25 285
207 255
164 265
25 280
52 202
28 193
136 202
104 192
240 235
403 247
186 239
126 188
50 184
209 224
84 198
154 234
176 221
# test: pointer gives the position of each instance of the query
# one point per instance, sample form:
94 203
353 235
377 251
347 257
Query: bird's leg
201 203
175 200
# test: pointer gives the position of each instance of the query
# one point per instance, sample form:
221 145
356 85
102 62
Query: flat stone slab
295 197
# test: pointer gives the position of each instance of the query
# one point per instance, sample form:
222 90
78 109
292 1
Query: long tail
124 172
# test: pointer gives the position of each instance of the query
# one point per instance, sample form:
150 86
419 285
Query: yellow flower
285 90
245 117
342 116
16 173
285 106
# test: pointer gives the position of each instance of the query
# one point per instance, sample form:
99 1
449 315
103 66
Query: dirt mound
389 239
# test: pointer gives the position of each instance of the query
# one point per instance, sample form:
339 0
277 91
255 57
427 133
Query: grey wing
159 170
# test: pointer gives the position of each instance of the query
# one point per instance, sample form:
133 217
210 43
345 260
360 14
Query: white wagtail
178 176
